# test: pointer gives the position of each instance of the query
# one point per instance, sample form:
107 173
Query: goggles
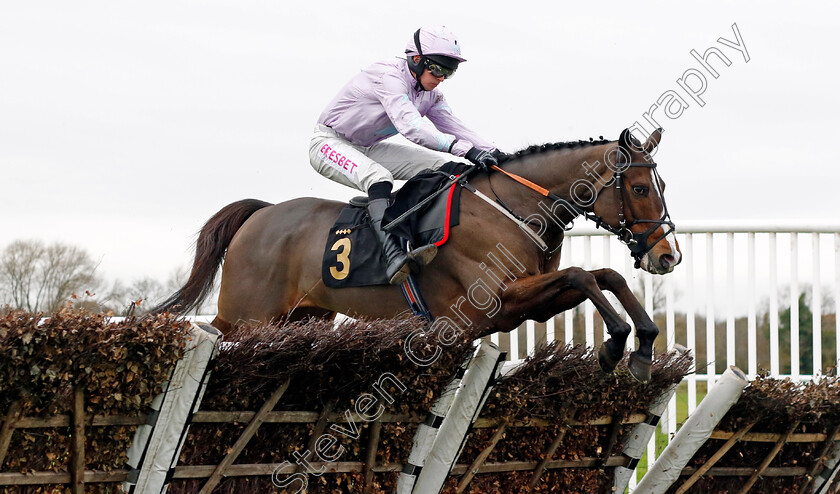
439 70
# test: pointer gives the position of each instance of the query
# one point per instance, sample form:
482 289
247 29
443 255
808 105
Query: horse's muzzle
667 261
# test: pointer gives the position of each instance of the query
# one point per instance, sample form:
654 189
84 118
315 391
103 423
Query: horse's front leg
640 360
543 296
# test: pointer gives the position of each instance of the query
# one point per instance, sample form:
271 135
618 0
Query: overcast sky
125 125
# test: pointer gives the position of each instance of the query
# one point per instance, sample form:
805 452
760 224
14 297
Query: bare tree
146 292
658 291
35 277
18 265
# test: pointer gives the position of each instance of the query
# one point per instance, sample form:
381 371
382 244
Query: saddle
352 254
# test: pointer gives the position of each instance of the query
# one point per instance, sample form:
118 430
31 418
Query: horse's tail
210 248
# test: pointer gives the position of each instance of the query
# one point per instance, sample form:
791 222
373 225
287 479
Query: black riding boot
396 258
397 269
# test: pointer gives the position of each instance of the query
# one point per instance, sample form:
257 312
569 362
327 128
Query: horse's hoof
606 362
639 367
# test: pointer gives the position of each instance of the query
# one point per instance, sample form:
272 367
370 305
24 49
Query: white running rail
723 301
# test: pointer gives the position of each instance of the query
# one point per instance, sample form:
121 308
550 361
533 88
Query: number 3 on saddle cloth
353 256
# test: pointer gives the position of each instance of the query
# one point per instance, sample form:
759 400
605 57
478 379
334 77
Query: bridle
637 243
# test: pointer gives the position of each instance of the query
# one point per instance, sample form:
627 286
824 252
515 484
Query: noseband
637 243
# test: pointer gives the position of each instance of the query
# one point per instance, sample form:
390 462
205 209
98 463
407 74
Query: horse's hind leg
221 325
300 314
646 330
304 313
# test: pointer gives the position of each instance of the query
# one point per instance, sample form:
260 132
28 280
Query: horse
273 253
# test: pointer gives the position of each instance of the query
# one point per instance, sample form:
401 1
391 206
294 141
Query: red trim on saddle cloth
448 213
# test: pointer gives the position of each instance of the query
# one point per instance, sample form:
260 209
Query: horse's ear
624 139
653 140
628 143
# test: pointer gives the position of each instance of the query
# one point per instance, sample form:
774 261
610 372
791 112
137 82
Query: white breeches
362 166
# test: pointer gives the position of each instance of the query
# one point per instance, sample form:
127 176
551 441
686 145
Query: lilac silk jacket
381 101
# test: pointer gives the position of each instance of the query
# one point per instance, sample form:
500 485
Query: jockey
387 98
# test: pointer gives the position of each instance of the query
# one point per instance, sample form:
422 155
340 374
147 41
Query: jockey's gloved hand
483 160
500 156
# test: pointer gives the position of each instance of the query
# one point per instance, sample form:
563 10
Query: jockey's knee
373 173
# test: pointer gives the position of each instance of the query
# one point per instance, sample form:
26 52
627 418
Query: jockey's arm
441 116
393 92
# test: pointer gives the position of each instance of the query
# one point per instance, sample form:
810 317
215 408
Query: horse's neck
558 171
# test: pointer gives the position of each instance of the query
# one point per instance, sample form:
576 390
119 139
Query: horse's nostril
666 260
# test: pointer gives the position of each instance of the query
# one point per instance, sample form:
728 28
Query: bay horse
273 253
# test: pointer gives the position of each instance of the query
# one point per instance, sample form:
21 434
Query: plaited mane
552 146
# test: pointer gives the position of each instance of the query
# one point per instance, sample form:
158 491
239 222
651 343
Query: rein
635 242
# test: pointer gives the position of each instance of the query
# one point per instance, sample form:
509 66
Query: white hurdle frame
725 274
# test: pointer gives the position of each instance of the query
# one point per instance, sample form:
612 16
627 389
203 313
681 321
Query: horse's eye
640 190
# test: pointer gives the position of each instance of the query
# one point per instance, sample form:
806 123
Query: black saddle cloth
429 224
353 256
